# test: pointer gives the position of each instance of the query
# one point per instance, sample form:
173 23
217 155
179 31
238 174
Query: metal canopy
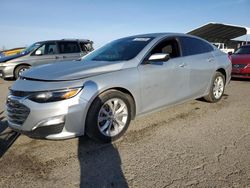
217 32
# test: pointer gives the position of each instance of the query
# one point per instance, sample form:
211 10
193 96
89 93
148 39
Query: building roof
217 32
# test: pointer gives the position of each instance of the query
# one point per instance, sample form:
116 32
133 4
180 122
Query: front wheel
217 88
109 116
19 70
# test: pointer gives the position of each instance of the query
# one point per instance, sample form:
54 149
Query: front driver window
47 49
168 47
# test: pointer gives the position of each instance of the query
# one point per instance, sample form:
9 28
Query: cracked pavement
195 144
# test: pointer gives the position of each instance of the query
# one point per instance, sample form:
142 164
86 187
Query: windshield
243 50
31 48
119 50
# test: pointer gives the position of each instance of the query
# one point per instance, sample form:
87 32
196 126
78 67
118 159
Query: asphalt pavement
195 144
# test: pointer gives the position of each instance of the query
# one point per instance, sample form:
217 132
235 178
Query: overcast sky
25 22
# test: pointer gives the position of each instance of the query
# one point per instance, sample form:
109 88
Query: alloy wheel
112 117
218 87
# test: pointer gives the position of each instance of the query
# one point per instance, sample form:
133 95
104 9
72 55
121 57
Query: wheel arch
123 90
131 98
22 64
223 71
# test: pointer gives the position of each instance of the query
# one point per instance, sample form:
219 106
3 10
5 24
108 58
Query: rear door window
193 46
69 47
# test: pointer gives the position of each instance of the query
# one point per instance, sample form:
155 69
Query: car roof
67 40
163 35
155 35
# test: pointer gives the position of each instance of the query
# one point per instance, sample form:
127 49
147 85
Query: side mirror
230 53
38 52
159 57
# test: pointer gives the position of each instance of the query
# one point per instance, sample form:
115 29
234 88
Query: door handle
210 60
64 57
57 57
183 65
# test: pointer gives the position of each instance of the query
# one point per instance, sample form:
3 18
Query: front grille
239 66
17 113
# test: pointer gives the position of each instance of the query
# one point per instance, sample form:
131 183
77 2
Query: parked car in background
44 52
241 62
128 77
223 47
13 51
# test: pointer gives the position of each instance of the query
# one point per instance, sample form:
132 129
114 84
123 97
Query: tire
213 96
19 70
102 124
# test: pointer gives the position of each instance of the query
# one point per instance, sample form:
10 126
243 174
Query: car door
46 53
164 82
200 62
69 50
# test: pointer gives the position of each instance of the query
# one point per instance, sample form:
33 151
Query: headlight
53 96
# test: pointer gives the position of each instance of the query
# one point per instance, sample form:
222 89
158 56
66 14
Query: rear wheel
217 88
109 116
20 69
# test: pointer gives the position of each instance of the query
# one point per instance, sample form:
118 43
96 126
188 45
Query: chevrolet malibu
100 95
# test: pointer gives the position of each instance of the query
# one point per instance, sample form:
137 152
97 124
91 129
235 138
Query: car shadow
224 96
241 79
100 165
7 136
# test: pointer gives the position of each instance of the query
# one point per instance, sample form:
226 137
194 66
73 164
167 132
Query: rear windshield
243 50
119 50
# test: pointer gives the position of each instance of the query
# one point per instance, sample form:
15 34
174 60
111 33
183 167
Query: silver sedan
103 92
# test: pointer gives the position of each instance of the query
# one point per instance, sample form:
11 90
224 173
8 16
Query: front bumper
6 71
241 73
42 132
55 120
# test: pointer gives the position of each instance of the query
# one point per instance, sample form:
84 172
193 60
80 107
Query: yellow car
12 51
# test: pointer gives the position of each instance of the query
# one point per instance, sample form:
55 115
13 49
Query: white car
223 47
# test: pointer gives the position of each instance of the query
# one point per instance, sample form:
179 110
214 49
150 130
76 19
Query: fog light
51 121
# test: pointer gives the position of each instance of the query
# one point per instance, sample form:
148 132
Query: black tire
92 127
18 69
211 97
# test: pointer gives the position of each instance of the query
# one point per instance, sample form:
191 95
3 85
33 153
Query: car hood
240 59
71 70
8 58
